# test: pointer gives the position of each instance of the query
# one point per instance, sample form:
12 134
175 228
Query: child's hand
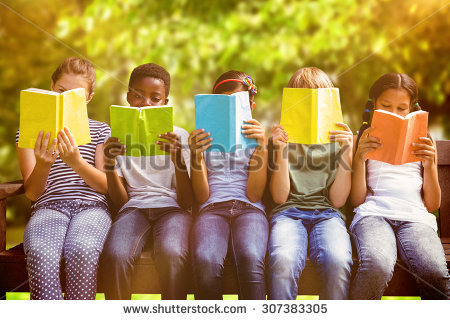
199 142
279 136
111 150
45 156
366 144
255 130
343 137
173 146
68 149
425 151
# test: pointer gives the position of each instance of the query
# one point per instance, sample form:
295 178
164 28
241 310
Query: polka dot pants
75 230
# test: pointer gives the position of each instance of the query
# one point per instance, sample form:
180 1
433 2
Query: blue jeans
168 229
323 232
378 239
236 228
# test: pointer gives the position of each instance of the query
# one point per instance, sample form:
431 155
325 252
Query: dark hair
77 66
150 70
233 85
383 83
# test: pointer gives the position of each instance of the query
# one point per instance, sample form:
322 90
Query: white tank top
396 194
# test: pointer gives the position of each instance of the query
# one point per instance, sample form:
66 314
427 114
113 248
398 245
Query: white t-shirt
396 194
150 181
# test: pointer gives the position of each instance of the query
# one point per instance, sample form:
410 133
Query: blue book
223 115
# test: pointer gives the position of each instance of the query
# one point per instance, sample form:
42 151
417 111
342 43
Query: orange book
397 134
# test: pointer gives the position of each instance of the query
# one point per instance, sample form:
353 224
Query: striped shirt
63 183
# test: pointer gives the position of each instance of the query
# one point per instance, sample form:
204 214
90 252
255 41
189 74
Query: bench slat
11 189
443 147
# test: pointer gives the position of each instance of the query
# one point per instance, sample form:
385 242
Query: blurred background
354 42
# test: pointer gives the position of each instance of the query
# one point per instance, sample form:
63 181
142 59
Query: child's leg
331 252
377 253
288 247
248 245
209 246
420 248
123 246
84 243
43 243
171 248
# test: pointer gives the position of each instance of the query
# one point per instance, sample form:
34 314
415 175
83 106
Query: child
154 195
229 187
393 204
308 184
69 215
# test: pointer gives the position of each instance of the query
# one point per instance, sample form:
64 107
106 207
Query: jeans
168 229
323 232
378 239
236 228
75 230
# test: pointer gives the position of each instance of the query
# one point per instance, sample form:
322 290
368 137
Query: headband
247 81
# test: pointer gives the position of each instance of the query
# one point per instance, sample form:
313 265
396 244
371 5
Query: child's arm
257 171
279 183
35 165
183 183
199 142
116 185
426 151
69 153
358 190
340 188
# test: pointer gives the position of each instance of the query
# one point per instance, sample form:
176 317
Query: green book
138 128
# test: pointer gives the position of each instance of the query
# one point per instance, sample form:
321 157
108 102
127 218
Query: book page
243 112
213 112
416 126
387 128
74 115
38 112
124 126
298 114
329 113
153 122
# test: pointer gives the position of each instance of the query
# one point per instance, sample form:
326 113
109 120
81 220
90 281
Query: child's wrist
196 157
109 165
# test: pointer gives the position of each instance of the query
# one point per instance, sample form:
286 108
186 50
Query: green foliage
353 41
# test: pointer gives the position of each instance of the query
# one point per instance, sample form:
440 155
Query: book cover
138 128
48 111
397 134
308 115
223 116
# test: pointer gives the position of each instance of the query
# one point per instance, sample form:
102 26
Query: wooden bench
13 275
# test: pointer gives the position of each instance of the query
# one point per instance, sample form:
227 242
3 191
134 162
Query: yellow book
48 111
308 115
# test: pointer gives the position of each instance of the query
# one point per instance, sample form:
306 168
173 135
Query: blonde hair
310 77
77 66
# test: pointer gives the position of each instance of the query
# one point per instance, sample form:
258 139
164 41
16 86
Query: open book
48 111
397 134
138 128
308 115
223 115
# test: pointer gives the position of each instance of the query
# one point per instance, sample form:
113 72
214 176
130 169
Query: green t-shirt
312 170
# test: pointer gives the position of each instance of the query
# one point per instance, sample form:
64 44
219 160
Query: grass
101 296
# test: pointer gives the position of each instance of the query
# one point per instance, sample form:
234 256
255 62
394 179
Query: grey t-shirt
150 181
